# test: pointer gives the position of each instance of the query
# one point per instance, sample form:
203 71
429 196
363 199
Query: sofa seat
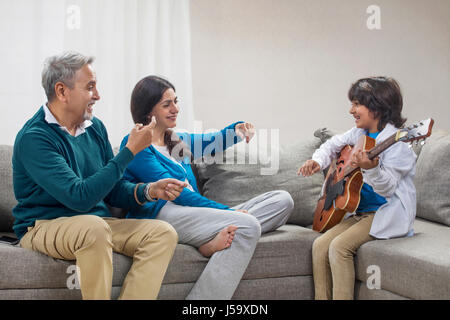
281 255
417 267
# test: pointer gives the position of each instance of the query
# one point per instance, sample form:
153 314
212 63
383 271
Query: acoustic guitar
343 182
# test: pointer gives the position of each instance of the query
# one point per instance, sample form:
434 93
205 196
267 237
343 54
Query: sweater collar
50 118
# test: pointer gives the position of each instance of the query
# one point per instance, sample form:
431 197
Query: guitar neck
374 152
379 148
415 132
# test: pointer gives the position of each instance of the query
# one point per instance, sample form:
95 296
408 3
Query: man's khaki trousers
90 240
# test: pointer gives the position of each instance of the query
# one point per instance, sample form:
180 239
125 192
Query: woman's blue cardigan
150 165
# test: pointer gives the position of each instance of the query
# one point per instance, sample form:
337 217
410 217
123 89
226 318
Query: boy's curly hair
382 96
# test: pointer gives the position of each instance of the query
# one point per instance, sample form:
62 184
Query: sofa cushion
7 199
284 252
432 179
416 267
281 253
23 268
362 292
235 181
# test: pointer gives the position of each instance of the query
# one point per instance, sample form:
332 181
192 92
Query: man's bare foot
221 241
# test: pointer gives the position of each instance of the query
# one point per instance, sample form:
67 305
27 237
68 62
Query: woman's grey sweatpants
197 225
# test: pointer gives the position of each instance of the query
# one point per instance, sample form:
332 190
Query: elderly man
64 174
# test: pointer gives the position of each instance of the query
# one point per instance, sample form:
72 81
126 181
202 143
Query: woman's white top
165 152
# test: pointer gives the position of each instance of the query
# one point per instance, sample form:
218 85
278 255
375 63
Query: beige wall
288 64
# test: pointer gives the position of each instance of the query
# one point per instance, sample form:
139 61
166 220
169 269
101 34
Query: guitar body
341 190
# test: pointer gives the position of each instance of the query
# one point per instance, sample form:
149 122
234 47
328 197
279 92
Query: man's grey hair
62 68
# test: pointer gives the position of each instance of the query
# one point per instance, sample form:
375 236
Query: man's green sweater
58 175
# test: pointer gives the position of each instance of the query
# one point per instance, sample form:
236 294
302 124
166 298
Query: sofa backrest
7 199
432 178
233 183
239 178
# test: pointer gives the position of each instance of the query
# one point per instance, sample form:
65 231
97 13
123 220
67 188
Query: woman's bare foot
221 241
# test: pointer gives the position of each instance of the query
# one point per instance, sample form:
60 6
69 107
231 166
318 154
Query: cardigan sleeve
145 167
122 194
210 143
395 163
329 150
56 177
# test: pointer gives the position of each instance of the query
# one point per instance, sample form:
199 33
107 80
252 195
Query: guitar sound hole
320 218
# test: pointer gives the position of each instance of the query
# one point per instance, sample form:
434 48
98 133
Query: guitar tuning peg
416 142
422 142
410 145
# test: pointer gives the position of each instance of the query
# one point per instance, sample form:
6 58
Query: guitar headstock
415 132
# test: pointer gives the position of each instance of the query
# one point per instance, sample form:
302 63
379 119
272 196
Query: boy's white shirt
392 179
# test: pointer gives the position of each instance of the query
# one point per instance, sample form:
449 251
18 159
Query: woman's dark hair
382 96
146 94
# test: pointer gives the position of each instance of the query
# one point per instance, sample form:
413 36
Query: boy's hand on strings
361 159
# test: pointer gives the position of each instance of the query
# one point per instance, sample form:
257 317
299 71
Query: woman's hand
308 168
361 159
242 210
245 131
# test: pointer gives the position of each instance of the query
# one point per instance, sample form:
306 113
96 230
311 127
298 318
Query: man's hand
361 159
166 189
308 168
141 137
245 131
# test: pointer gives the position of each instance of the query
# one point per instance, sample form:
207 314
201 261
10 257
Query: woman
227 235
